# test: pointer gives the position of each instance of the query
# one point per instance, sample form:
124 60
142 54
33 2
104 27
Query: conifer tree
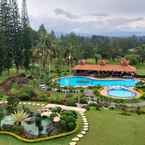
26 35
6 34
17 35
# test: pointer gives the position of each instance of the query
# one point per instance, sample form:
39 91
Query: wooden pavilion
103 69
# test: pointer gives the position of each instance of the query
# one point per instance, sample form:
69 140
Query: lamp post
69 61
40 65
69 58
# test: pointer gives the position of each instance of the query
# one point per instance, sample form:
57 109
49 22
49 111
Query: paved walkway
77 109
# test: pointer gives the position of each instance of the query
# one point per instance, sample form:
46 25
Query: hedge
42 138
140 76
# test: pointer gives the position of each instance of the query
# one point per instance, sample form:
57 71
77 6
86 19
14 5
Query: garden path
77 109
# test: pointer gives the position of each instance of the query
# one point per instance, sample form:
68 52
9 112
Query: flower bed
44 124
42 138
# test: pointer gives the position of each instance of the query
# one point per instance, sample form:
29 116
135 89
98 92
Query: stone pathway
77 109
83 131
85 124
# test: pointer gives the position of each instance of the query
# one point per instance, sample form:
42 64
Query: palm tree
51 52
69 58
19 117
141 53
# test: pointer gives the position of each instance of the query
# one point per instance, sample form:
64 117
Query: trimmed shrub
68 120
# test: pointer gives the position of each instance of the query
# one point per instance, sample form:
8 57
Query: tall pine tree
6 31
26 35
17 35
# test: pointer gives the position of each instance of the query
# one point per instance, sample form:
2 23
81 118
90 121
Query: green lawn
140 69
106 128
112 128
7 140
12 72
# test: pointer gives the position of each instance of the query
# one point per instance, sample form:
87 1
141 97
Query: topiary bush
68 120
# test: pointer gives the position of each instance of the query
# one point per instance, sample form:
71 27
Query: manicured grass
7 140
3 98
106 128
140 69
112 128
12 72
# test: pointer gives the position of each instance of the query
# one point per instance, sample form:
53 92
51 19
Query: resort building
104 69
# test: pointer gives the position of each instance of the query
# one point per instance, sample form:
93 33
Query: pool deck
97 78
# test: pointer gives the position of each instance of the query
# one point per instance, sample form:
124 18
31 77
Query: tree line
21 46
72 47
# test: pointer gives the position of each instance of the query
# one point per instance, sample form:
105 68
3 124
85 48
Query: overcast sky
112 17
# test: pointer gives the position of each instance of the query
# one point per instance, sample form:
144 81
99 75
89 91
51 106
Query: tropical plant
19 116
1 113
12 104
141 53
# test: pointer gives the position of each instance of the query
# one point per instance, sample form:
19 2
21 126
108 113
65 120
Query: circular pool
79 81
121 93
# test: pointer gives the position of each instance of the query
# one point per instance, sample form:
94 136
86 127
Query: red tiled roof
106 67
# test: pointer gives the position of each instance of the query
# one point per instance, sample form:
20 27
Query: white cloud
67 14
91 16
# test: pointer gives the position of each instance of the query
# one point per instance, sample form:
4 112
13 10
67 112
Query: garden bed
33 126
41 138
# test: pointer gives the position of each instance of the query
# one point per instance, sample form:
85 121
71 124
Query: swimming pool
122 93
78 81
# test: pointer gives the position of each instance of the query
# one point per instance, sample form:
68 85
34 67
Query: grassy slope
12 72
140 69
7 140
111 128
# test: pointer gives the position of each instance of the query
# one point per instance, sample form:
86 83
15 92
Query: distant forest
22 46
98 47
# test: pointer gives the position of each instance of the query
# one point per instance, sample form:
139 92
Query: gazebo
103 69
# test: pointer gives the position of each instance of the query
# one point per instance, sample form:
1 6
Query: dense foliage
71 47
17 38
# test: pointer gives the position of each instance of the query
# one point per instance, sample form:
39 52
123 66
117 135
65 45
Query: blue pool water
121 93
77 81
